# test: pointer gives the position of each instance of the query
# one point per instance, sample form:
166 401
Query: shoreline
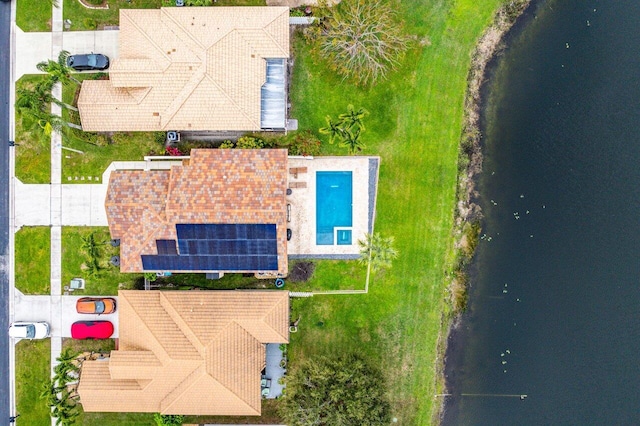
466 228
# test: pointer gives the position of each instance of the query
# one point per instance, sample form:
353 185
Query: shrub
304 143
302 272
250 142
102 140
173 151
90 23
341 390
227 145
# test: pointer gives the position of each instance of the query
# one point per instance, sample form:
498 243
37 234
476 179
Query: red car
91 330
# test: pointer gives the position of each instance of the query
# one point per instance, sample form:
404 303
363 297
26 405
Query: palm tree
353 117
377 250
351 140
58 70
91 245
35 98
334 129
50 392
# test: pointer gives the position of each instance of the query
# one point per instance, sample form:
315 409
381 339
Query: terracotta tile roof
217 186
187 68
196 353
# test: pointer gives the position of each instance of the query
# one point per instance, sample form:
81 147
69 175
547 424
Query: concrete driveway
32 48
58 311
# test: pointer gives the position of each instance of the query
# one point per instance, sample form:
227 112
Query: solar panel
166 247
217 247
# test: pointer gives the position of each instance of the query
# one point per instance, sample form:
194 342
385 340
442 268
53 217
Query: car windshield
31 331
91 60
99 306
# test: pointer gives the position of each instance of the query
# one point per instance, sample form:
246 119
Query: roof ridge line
273 308
194 82
135 311
164 12
188 333
178 395
287 54
145 35
240 108
233 321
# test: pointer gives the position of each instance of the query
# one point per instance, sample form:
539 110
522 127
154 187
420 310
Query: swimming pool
334 209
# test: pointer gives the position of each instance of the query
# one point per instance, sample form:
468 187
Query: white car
29 330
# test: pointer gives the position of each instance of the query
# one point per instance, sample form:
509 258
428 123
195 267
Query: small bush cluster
304 143
302 272
173 151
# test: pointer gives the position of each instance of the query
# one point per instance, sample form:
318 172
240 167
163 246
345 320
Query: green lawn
98 151
91 19
415 125
74 259
33 259
32 370
34 15
33 150
328 275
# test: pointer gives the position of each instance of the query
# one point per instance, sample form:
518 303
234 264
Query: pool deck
303 204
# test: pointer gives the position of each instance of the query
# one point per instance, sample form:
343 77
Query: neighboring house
193 68
179 352
223 210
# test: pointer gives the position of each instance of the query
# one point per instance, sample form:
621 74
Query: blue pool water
334 195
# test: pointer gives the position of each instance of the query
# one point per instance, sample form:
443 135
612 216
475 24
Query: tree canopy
378 250
342 391
363 40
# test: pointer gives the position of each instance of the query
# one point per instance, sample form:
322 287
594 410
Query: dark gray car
91 61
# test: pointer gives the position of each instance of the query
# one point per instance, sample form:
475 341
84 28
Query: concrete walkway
54 204
81 205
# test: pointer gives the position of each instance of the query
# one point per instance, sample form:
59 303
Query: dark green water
556 280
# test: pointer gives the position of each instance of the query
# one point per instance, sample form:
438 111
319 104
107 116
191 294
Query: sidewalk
54 204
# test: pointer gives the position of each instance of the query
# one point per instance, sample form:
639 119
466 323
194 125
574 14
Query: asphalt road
5 82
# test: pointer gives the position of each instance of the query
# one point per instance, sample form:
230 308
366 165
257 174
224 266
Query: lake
555 299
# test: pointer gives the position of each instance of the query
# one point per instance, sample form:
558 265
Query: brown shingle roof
197 353
217 186
187 69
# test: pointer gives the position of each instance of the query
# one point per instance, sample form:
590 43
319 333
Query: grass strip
32 371
33 259
34 15
33 147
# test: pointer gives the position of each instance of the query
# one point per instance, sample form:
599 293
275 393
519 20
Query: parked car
96 305
29 330
90 61
91 329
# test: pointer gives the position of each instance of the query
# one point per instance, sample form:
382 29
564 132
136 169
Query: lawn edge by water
471 163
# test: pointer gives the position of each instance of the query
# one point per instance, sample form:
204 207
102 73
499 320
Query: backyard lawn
75 258
415 126
32 370
33 259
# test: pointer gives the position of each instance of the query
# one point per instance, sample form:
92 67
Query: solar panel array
217 247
